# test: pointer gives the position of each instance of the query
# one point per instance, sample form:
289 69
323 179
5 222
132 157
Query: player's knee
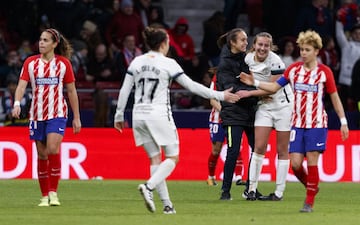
174 158
295 166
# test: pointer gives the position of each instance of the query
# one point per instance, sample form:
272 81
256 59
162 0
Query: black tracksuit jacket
241 113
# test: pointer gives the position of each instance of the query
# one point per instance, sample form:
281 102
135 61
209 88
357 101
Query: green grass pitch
102 202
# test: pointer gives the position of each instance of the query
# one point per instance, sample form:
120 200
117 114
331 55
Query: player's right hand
230 97
119 126
246 78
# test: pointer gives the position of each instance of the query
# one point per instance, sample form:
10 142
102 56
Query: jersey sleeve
199 89
69 76
175 69
123 97
284 79
277 66
24 74
330 85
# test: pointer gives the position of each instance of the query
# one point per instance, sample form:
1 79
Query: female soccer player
309 81
236 118
217 137
48 73
274 111
153 124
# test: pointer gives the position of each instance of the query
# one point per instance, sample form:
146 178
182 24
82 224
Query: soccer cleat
53 199
258 194
225 196
169 210
240 182
270 197
251 196
307 208
147 195
246 193
44 201
211 182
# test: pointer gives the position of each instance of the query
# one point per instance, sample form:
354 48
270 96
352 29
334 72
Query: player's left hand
344 132
76 123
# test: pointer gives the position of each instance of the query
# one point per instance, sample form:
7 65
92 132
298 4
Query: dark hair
228 37
154 37
282 44
63 48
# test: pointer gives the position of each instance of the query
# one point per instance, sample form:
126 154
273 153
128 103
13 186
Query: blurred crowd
107 34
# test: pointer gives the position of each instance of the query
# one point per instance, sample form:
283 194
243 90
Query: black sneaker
258 194
246 193
270 197
240 182
225 196
251 196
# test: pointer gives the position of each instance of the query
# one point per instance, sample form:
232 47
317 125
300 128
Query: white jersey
152 74
262 71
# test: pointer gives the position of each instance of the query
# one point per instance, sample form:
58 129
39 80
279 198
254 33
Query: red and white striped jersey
214 114
309 89
47 81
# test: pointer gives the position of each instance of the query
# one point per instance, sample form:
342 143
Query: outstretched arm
206 92
248 79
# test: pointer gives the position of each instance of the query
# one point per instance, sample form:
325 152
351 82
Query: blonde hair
311 38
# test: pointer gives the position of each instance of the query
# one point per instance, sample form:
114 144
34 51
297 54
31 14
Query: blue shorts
40 129
217 133
307 140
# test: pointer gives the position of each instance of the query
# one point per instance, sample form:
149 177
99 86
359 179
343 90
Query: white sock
281 173
163 171
254 170
161 188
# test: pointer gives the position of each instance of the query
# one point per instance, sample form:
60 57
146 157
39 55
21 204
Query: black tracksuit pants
234 135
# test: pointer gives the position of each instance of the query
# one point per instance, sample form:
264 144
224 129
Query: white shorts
162 132
279 118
